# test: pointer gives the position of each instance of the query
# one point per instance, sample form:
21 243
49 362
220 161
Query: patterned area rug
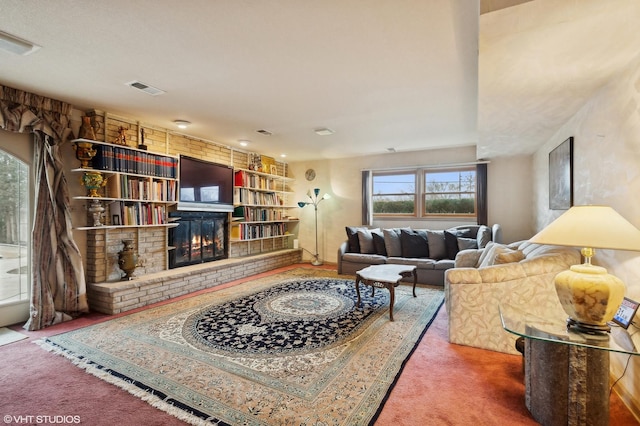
289 349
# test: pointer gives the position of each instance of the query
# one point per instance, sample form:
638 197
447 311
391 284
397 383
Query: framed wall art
561 176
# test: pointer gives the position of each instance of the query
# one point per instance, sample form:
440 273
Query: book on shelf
127 160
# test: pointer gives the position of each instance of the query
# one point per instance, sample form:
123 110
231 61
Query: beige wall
606 135
510 195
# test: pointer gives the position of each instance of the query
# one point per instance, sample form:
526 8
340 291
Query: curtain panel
58 291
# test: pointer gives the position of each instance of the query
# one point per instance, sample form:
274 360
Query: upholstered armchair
519 274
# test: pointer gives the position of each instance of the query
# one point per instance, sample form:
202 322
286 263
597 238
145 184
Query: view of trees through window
14 228
428 191
450 192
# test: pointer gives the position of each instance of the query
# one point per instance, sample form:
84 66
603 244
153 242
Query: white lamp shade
590 226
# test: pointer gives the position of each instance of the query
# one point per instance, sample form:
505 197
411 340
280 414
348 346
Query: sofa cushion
414 243
483 236
444 264
392 241
420 263
352 237
365 240
467 243
372 259
451 240
378 242
437 245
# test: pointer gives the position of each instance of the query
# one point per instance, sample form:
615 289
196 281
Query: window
394 193
450 192
425 192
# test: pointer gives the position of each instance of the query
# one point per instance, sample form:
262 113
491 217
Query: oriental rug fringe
289 349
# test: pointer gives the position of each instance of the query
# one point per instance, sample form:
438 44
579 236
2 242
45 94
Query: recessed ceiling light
283 155
182 124
324 131
16 45
243 142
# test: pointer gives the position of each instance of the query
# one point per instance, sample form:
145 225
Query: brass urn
128 259
84 153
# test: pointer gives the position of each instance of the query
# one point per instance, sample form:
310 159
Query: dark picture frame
561 176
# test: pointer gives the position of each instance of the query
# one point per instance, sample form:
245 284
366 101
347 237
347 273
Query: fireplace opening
199 237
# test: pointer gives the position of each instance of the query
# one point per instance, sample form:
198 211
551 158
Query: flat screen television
205 186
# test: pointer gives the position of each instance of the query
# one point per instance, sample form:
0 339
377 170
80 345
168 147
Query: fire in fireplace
199 237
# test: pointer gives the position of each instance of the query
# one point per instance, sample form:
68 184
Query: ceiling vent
264 132
150 90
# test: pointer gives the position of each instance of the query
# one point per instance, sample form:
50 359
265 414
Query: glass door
15 232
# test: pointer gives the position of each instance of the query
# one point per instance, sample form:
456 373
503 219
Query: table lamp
587 293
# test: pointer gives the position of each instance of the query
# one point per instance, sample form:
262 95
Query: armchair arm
344 247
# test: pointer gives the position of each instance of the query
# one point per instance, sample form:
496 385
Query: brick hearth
121 296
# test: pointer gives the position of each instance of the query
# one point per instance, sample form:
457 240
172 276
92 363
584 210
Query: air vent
264 132
153 91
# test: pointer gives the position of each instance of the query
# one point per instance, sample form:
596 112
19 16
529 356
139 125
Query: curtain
482 199
367 207
58 290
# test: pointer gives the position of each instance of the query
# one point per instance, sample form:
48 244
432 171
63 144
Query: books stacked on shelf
251 180
134 188
248 196
247 231
127 160
252 214
136 214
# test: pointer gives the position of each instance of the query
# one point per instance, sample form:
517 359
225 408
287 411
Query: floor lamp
315 200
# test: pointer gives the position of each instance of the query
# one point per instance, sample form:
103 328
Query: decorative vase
97 212
84 153
86 129
128 259
93 181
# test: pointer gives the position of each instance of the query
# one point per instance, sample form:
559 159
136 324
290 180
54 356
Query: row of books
125 186
249 180
253 214
121 159
127 213
247 231
247 196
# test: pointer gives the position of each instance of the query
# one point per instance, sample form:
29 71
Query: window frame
416 198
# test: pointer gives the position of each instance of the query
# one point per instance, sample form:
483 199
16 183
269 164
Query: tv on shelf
205 186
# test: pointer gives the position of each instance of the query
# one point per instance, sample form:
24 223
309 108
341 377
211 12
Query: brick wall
103 245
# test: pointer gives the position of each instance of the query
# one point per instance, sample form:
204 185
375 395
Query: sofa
431 251
520 274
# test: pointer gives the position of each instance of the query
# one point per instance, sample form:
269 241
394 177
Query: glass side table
566 372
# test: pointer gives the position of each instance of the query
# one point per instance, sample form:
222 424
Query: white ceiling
380 73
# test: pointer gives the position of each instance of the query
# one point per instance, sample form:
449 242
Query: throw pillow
437 246
488 250
365 239
352 238
378 242
414 243
483 236
392 242
508 256
451 241
467 243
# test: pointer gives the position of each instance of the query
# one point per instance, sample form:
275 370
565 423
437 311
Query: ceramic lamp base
590 296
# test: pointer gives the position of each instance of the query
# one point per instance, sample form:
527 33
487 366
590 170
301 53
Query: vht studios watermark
41 419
